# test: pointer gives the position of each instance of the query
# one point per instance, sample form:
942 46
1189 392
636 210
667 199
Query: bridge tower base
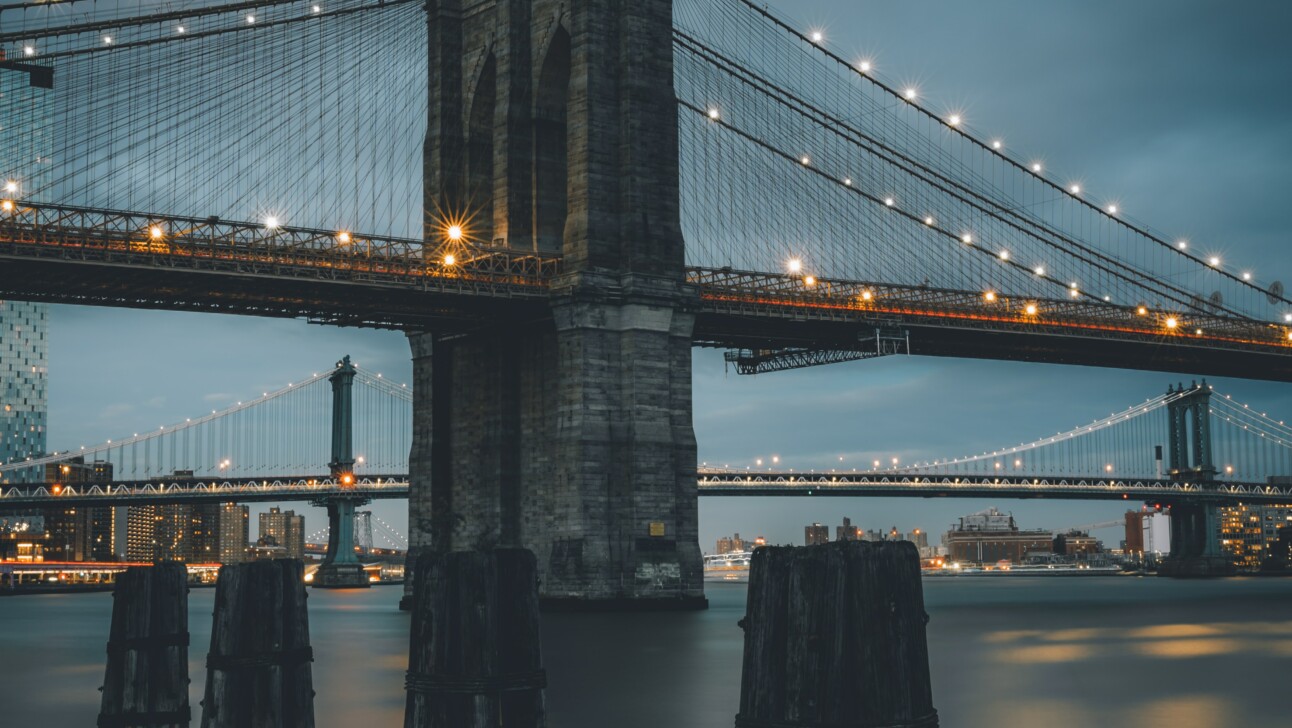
1195 543
553 128
341 568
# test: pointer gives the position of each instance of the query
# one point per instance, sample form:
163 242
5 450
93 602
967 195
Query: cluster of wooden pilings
834 636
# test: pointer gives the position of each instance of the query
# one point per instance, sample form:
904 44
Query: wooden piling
258 670
835 636
146 681
473 658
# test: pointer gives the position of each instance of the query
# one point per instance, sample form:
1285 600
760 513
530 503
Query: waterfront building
847 531
1248 532
1133 545
989 536
730 544
204 533
285 529
816 534
1078 544
79 533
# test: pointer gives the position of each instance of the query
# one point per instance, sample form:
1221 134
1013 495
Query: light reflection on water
1048 652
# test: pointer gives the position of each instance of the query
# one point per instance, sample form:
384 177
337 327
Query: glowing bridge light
251 20
107 40
1039 270
28 51
1142 311
847 181
1031 309
317 9
715 114
910 94
1214 261
1247 276
155 232
867 295
1075 189
864 66
997 144
1003 255
795 265
1036 167
966 238
1172 322
1112 209
1074 292
343 237
1287 317
179 29
1198 332
928 221
271 223
7 205
1182 244
11 186
805 160
954 120
809 281
817 36
989 296
450 259
889 201
454 233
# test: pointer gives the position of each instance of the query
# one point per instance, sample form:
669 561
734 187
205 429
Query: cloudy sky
1178 107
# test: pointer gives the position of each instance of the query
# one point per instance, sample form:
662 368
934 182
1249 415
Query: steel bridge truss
801 297
201 490
211 244
878 484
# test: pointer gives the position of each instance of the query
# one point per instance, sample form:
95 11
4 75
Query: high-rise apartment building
1247 532
206 533
24 372
816 534
285 529
235 524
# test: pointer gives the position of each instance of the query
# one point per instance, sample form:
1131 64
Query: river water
1035 651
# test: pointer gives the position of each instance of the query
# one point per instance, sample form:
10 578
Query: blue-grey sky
1177 107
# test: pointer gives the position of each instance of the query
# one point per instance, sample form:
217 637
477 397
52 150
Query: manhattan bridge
556 203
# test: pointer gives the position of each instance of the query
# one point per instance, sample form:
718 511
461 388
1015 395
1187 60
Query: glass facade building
24 374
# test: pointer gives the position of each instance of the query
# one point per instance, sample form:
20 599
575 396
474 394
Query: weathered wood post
473 657
834 636
146 681
258 670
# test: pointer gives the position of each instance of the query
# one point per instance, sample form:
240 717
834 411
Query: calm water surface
1054 652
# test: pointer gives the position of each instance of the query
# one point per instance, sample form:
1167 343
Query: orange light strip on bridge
873 305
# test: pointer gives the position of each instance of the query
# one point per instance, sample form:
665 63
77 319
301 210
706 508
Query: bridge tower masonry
553 128
1195 527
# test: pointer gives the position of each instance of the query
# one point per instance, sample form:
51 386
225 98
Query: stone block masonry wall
571 435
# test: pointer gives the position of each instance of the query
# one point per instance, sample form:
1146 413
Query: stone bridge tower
553 127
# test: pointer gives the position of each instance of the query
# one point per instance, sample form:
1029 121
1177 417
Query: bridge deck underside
110 259
725 326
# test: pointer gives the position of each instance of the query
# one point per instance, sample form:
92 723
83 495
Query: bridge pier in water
1195 526
571 435
341 568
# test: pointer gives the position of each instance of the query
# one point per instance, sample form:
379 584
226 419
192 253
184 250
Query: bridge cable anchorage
952 125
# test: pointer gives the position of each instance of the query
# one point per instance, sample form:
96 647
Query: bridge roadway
712 483
138 260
